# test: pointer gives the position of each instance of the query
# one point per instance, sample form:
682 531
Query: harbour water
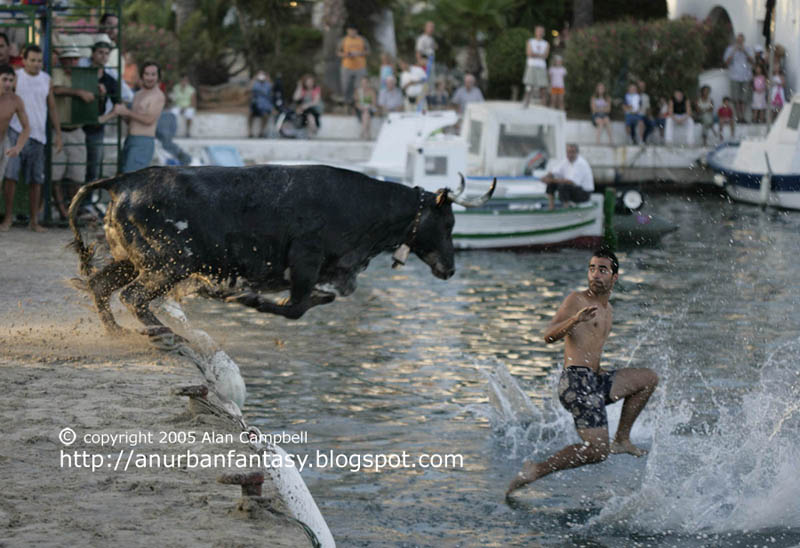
411 363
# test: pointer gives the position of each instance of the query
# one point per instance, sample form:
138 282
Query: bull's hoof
163 338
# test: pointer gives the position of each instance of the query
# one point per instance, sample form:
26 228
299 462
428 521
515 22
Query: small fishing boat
498 140
763 171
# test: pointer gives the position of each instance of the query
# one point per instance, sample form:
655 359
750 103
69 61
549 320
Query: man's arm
51 107
567 317
82 94
26 129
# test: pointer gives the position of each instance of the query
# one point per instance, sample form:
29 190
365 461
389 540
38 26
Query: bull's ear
441 197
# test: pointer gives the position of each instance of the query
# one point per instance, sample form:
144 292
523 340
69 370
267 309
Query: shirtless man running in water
584 321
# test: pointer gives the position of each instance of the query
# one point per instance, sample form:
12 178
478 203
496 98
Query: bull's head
433 239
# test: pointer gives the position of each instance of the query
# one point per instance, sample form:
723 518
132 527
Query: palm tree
333 20
468 19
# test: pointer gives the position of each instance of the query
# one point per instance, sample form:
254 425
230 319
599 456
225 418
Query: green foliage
148 12
505 56
666 54
208 42
150 43
718 36
551 14
615 10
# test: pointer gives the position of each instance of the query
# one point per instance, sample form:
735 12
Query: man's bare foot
618 447
530 473
38 228
5 226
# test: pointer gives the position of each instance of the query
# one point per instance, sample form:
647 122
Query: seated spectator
412 84
645 113
308 96
726 117
572 179
633 120
680 113
365 103
391 98
705 110
184 101
468 93
261 103
439 98
387 69
661 118
600 105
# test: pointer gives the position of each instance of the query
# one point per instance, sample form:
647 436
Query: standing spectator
631 106
537 49
600 105
10 105
738 58
6 57
777 95
557 73
184 99
391 98
366 103
439 99
705 109
468 93
680 113
308 97
353 50
166 130
387 69
726 118
645 112
261 104
107 92
131 73
759 104
36 90
142 119
69 164
412 83
426 45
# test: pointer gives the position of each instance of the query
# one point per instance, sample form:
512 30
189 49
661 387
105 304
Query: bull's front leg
304 265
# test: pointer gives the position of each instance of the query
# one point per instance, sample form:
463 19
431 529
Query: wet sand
59 369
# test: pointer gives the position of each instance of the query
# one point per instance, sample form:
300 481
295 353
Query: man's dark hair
4 36
106 16
7 69
605 253
149 64
30 48
102 44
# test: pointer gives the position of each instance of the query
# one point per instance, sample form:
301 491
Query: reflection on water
406 364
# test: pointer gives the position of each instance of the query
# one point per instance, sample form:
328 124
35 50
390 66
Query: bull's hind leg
137 296
103 283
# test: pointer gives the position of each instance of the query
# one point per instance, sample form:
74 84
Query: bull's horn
453 196
473 202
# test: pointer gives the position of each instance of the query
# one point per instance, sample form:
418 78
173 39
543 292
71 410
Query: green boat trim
485 236
559 211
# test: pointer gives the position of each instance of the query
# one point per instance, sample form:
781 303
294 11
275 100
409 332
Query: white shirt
557 76
414 73
426 44
634 101
579 173
740 69
34 91
538 47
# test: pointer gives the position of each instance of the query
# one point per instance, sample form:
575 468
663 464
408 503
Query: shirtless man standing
584 319
10 104
143 118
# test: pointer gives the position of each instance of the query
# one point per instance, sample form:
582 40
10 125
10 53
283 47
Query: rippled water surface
408 363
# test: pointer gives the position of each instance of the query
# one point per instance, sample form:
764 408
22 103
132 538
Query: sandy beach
60 370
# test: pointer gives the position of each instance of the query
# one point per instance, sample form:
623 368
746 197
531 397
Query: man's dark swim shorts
586 394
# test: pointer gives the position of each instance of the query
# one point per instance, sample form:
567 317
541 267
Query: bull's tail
85 253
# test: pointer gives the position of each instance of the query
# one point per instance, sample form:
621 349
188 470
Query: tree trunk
583 13
333 20
183 9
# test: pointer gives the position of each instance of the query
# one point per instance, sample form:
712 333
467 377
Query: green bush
666 54
149 43
505 58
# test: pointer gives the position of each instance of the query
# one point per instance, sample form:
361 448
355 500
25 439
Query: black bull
277 227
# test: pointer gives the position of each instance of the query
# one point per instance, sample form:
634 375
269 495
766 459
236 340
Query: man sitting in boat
572 179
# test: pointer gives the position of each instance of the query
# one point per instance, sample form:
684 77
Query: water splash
732 469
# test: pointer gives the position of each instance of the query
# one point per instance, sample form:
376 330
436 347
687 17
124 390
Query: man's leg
8 197
551 195
636 385
34 201
594 449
